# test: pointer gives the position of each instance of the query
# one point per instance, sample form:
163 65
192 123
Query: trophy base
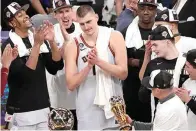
126 127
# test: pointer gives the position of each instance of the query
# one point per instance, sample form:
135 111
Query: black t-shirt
160 64
28 88
139 53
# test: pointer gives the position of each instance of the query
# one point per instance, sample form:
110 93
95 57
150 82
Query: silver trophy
118 108
61 119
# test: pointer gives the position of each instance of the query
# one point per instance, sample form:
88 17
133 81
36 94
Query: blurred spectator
109 13
119 6
127 15
186 11
38 6
166 3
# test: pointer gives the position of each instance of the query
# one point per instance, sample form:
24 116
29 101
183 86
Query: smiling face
146 13
21 21
65 14
160 47
191 70
88 23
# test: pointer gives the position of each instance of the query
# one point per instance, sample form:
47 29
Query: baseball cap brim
146 82
63 6
24 7
38 19
145 3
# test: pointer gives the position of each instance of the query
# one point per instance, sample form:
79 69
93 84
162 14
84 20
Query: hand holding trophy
118 108
60 119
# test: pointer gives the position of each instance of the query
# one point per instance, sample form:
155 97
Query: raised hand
92 57
49 32
148 50
8 56
63 30
15 52
129 120
39 34
183 94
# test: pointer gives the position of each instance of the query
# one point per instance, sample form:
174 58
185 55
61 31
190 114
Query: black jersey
167 65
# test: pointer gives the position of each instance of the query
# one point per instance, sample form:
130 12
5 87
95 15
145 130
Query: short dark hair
83 10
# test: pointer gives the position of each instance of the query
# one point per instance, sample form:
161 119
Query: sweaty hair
83 10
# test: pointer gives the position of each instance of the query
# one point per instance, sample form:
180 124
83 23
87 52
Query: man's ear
12 24
158 90
168 42
97 17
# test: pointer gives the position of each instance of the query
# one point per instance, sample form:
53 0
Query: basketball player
95 61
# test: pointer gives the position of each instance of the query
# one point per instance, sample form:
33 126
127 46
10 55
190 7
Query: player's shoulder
116 36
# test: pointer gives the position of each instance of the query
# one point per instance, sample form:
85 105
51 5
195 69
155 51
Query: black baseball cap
167 15
158 79
161 32
148 2
12 9
58 4
191 57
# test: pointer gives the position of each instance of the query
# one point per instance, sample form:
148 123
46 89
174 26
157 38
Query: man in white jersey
188 93
65 30
170 111
94 63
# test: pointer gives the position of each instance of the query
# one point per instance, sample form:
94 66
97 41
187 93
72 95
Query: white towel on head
105 85
133 37
22 50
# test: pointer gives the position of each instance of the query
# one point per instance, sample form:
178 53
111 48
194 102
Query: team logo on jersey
159 63
82 47
84 58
